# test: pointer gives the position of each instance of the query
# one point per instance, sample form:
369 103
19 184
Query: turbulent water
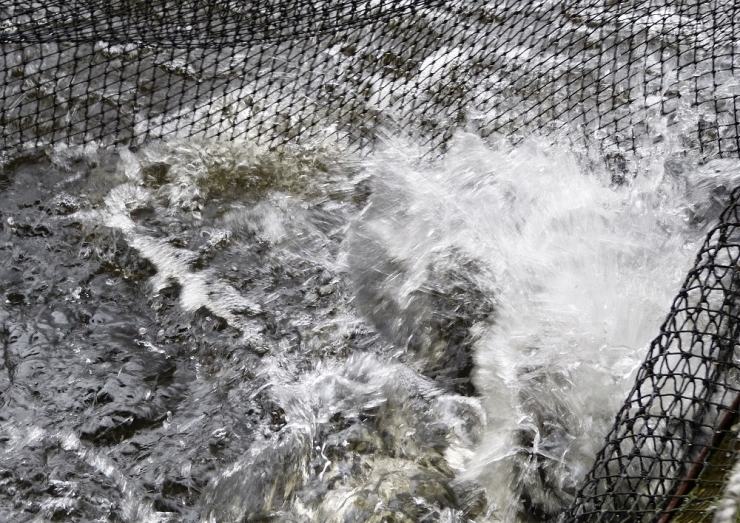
212 332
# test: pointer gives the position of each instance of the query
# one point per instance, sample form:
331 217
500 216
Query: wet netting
124 72
676 437
617 75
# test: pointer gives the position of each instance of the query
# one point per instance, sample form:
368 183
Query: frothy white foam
582 273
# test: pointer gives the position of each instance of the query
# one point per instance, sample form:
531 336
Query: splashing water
580 273
300 337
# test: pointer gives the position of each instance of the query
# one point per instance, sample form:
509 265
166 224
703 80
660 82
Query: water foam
552 279
582 272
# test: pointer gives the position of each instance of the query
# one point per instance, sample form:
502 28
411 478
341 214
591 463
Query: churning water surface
205 331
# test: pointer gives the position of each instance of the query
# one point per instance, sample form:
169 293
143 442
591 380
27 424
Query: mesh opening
610 74
273 71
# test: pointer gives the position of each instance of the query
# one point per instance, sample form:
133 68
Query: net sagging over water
272 71
610 74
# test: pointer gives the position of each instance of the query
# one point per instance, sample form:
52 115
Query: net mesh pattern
674 439
604 72
274 71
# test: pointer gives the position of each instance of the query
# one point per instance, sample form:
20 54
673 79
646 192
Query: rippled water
204 331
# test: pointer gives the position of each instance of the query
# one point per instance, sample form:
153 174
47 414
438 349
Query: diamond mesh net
674 439
610 74
271 71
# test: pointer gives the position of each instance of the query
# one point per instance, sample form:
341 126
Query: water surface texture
439 328
204 331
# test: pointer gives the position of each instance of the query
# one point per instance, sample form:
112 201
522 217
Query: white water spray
582 273
554 277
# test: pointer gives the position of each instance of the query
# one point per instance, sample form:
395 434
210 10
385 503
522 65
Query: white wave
582 273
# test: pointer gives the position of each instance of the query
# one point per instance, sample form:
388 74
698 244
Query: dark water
144 360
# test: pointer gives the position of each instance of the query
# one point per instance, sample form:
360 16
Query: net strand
613 74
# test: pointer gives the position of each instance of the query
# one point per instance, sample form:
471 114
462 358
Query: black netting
613 73
672 443
273 71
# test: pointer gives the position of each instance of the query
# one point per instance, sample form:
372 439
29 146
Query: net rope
611 75
683 407
274 71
